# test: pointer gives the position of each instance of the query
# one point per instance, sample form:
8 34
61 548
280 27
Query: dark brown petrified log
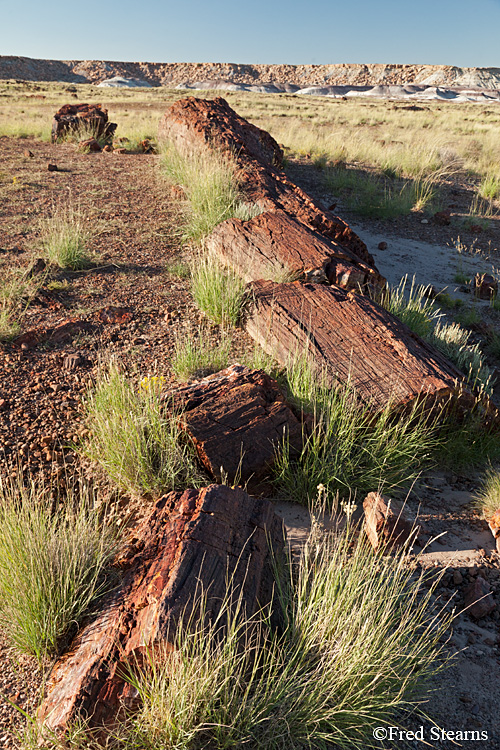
194 542
275 246
236 420
352 339
193 123
72 118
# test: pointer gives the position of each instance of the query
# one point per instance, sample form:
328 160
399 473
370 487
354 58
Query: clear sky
451 32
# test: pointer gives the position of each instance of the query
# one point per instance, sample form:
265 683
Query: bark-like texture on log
236 420
273 246
191 123
353 339
193 542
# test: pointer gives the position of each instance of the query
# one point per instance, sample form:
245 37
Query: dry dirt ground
129 305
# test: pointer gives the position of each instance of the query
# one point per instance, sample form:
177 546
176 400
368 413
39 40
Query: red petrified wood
277 247
193 542
352 340
237 419
386 525
93 118
191 124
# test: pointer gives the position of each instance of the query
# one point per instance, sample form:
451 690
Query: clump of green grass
64 239
178 267
53 557
454 342
217 291
349 448
358 645
413 306
16 291
489 188
469 317
140 448
211 182
488 498
196 355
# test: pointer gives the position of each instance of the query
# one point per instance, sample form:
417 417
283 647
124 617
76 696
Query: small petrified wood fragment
352 339
386 525
193 542
275 246
191 124
237 419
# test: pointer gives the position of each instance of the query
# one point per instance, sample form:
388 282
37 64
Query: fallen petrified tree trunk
194 542
193 123
237 419
275 246
352 340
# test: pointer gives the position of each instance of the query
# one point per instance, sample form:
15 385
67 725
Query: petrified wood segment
275 246
193 542
72 117
236 420
352 339
193 123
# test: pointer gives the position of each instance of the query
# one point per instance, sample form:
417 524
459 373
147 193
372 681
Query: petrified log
351 339
193 542
275 246
72 118
236 420
193 123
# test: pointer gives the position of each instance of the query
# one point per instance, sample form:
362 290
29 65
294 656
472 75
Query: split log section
194 542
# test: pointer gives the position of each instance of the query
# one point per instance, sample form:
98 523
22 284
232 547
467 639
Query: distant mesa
396 82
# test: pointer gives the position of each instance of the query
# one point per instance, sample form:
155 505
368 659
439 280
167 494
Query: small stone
382 245
442 218
72 361
457 577
28 154
424 221
478 600
52 168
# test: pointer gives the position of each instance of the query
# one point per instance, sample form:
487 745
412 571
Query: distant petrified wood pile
91 119
193 543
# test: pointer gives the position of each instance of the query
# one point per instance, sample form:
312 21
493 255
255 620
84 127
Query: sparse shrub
16 291
64 239
53 556
219 292
141 449
468 317
178 267
196 355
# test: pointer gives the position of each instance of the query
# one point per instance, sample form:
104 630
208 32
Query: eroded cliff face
173 74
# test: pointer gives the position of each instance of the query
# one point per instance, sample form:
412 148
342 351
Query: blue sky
453 32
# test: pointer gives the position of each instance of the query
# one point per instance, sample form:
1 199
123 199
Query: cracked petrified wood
193 542
275 246
352 340
237 419
190 124
72 118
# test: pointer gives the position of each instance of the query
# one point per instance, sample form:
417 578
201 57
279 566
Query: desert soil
129 306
